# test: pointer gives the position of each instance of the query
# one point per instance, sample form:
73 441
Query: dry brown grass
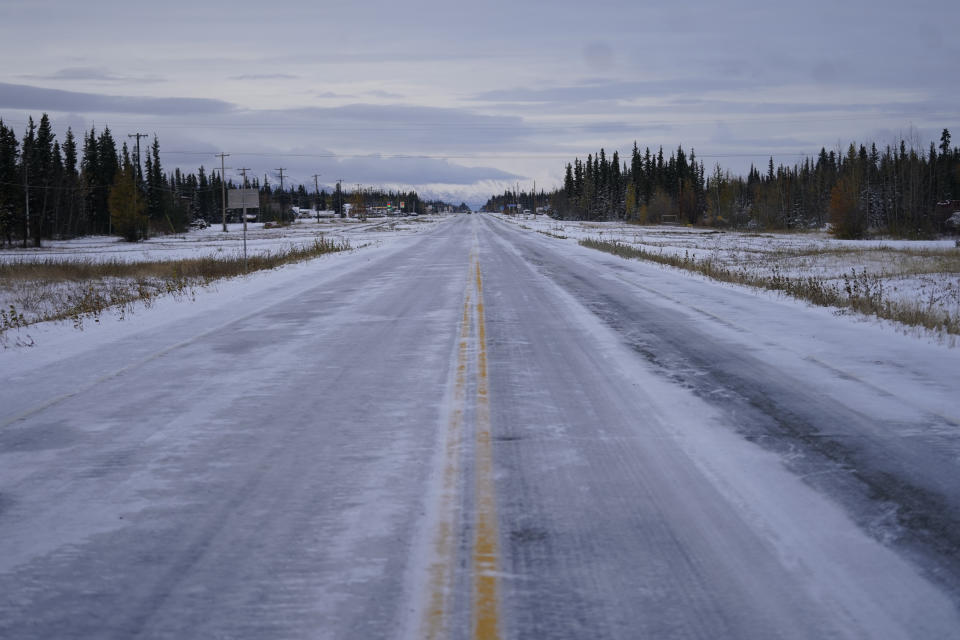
208 267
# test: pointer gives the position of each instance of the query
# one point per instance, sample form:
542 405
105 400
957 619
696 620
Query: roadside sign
243 199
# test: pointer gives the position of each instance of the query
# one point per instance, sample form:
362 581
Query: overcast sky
462 99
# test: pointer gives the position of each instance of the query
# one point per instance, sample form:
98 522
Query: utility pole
137 179
244 198
316 187
223 188
340 196
283 213
138 136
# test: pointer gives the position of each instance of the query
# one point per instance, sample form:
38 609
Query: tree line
88 186
81 187
901 190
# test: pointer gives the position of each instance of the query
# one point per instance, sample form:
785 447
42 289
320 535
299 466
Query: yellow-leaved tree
127 207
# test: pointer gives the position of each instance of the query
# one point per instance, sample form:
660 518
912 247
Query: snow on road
476 430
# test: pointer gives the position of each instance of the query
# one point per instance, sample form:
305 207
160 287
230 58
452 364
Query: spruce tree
89 185
108 164
11 195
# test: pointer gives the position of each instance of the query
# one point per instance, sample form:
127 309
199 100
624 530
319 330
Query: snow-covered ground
925 273
45 298
213 241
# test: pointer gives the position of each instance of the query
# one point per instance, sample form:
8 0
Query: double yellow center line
485 552
486 548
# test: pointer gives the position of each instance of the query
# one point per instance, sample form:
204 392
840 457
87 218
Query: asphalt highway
480 432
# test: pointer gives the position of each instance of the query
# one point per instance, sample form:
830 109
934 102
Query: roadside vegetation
78 290
860 291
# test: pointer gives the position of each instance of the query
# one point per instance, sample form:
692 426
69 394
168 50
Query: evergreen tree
90 188
156 185
568 186
945 163
108 164
42 168
11 194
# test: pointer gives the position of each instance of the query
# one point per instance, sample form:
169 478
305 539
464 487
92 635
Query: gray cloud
442 175
383 94
605 90
728 139
598 56
265 76
359 127
20 96
391 128
413 170
96 74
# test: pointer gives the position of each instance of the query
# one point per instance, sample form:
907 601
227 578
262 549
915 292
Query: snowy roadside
837 351
80 279
212 241
923 275
373 237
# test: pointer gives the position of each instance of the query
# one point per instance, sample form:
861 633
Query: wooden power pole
223 188
243 188
137 177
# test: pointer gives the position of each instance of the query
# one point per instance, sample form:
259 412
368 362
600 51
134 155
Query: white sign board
240 198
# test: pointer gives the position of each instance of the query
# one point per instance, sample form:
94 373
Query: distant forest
50 189
902 190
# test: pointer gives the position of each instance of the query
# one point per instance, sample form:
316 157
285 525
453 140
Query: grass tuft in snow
552 234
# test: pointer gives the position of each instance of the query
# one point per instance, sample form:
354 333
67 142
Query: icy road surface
477 432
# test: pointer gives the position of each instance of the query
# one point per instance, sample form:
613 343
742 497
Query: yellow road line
486 546
441 570
485 600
